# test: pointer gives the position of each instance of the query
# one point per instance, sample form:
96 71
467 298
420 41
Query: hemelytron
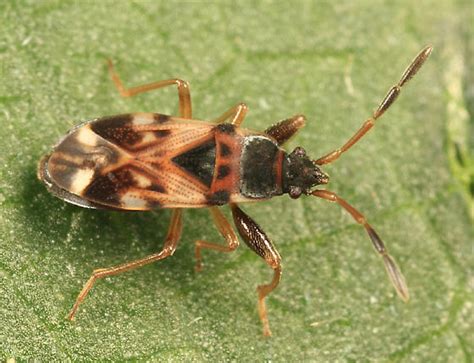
144 161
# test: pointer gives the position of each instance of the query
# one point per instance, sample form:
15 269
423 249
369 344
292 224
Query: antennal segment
388 100
396 277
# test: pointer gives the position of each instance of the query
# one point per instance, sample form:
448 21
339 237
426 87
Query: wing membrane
149 178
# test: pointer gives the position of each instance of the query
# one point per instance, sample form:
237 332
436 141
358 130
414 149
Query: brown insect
144 161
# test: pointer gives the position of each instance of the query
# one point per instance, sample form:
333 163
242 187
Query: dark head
300 174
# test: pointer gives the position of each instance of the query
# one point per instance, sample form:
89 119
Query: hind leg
172 238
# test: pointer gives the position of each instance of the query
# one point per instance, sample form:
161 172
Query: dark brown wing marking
143 161
126 186
79 157
130 132
117 129
199 161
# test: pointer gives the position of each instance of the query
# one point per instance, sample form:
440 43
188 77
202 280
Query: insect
145 161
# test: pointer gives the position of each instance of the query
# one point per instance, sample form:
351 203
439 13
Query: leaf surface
332 62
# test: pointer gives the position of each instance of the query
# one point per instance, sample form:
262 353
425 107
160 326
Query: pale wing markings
174 143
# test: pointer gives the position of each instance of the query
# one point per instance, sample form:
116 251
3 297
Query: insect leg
389 99
396 277
258 241
235 114
185 109
171 241
284 130
225 229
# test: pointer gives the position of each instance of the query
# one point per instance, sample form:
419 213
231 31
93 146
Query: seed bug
145 161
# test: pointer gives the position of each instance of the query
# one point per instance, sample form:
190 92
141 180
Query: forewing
126 162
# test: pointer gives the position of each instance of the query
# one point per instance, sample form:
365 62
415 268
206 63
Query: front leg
259 242
284 130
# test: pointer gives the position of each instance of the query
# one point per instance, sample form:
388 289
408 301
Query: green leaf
411 175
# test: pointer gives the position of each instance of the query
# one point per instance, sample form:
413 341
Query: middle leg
225 230
235 114
185 109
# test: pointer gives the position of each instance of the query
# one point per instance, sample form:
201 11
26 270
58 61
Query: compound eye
299 151
295 192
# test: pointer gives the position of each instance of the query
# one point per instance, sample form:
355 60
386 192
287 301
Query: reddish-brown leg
185 109
284 130
389 99
171 241
396 277
225 229
235 114
259 242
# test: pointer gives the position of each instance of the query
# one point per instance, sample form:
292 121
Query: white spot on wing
142 181
147 137
86 136
80 180
143 119
129 200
